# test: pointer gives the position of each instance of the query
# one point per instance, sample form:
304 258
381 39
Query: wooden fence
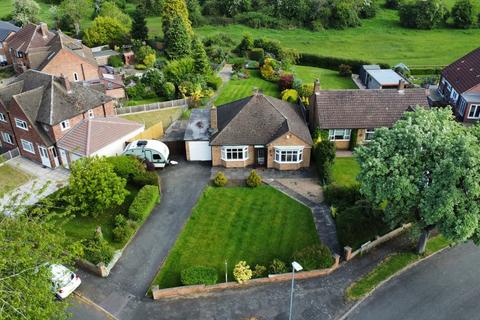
153 106
154 132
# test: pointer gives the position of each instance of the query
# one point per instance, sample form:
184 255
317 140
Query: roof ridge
31 38
51 98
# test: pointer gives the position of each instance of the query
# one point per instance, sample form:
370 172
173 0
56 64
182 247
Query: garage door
199 151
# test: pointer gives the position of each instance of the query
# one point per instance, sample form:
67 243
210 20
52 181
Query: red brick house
6 30
38 109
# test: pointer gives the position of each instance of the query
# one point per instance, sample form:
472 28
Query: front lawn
329 79
11 178
345 171
233 224
150 118
238 89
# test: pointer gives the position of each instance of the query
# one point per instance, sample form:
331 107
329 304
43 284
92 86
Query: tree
194 12
106 30
94 186
152 7
177 39
245 45
201 64
110 9
425 170
422 14
25 11
462 14
139 25
75 11
173 9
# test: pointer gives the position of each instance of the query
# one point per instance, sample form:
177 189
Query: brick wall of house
116 93
288 139
68 63
216 156
6 127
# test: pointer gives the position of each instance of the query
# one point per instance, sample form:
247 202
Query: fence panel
9 155
153 106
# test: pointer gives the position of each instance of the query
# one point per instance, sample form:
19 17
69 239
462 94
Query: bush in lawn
126 166
462 14
285 82
278 266
199 275
144 203
169 90
368 9
97 249
220 179
259 271
254 179
324 157
214 82
290 95
145 178
392 4
345 70
423 14
115 61
123 228
242 272
257 54
179 70
341 196
344 14
245 45
270 46
260 20
317 256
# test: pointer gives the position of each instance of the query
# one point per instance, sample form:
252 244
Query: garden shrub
199 275
462 14
392 4
324 157
341 196
245 45
254 179
257 54
305 90
179 70
145 178
126 166
115 61
278 266
220 179
259 271
140 66
286 81
345 70
259 20
317 256
270 46
144 203
97 249
368 9
169 90
423 14
214 82
123 228
242 272
138 91
290 95
352 144
344 14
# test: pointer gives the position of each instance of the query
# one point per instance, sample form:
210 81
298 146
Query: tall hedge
144 203
324 157
333 63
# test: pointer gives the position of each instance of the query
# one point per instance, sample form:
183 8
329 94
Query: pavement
445 286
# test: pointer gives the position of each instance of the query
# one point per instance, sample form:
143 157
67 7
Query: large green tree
106 30
172 9
75 11
202 66
25 11
139 25
94 186
426 170
177 39
462 14
110 9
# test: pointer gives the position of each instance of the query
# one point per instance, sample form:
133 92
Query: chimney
44 29
401 86
316 86
65 83
213 118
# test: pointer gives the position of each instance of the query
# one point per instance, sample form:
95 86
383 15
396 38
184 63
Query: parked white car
64 281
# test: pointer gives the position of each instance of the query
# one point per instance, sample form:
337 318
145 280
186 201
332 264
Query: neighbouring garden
150 118
11 178
260 226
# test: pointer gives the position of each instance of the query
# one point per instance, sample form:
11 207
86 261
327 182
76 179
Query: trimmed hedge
342 196
146 178
426 71
199 275
144 203
314 257
333 63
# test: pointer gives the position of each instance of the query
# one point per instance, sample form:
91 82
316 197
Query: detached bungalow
255 131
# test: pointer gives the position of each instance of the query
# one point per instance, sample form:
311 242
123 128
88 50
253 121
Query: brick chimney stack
213 118
401 86
44 29
316 86
65 83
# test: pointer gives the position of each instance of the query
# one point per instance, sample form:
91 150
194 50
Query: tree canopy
177 39
139 25
106 30
75 11
25 11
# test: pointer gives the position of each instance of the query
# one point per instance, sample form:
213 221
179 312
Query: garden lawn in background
11 178
344 171
133 102
329 79
150 118
233 224
238 89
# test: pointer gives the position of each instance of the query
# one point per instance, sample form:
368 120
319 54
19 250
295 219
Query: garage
198 151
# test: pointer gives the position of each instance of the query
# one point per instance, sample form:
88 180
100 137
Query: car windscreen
65 279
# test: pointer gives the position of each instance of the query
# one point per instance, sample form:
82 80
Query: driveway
130 279
445 286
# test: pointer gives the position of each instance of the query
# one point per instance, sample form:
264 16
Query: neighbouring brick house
38 109
460 87
7 30
255 131
342 111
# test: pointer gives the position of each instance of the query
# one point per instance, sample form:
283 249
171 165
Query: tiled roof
29 37
258 119
6 28
350 109
91 135
464 73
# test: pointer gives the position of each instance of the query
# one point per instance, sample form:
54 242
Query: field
233 224
166 116
11 178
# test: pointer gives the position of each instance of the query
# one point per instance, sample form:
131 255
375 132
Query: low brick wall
349 255
187 291
98 269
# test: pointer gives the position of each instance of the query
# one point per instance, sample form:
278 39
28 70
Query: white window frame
239 150
476 113
3 118
7 137
22 124
286 152
64 125
345 133
462 107
369 131
454 96
91 114
29 144
75 77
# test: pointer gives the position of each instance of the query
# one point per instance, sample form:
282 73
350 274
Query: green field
233 224
345 171
329 79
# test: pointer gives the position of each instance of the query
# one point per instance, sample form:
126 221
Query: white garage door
199 151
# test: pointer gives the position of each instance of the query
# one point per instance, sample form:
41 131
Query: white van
153 151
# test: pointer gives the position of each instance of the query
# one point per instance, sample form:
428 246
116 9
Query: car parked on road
64 281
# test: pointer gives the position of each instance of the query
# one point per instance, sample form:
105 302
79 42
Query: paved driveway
446 286
130 278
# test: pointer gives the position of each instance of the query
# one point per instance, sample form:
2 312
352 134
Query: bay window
235 153
339 134
288 154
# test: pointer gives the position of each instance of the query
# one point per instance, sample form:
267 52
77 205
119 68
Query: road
445 286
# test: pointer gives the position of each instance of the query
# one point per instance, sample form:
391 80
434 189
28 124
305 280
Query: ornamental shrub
144 203
214 82
342 196
126 166
317 256
257 54
220 179
97 249
145 178
115 61
242 272
278 266
123 228
199 275
290 95
345 70
259 271
286 81
423 14
254 179
368 9
169 90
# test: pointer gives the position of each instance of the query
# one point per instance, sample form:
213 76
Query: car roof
58 271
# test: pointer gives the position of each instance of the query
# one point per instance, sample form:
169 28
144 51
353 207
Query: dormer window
65 125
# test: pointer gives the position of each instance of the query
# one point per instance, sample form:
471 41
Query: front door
63 155
44 156
260 155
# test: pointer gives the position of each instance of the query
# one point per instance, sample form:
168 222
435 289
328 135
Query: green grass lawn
345 171
238 89
329 79
11 178
233 224
133 102
166 116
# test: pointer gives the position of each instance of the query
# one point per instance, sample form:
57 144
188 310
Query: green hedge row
425 71
144 203
333 63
